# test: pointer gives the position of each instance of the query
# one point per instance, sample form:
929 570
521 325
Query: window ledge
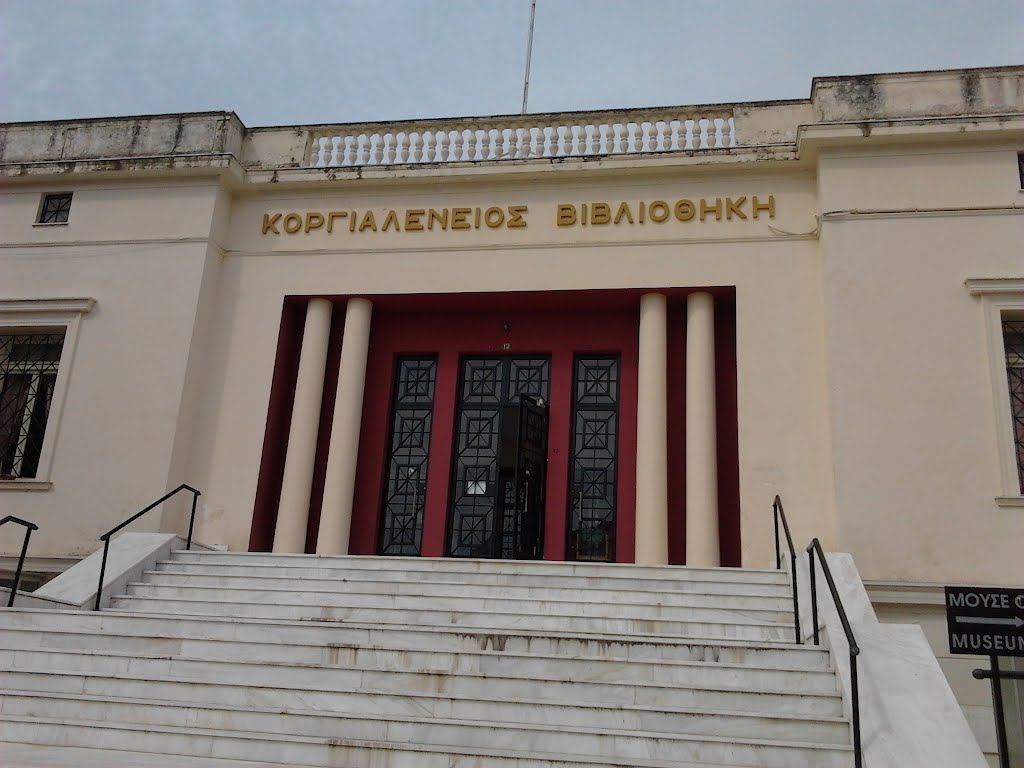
50 223
25 485
1010 501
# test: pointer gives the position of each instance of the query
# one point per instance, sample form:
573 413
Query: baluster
431 155
389 150
456 154
470 144
632 138
665 142
550 134
678 135
693 134
712 133
336 150
530 137
416 147
728 133
402 148
566 131
645 136
590 139
442 146
618 134
319 153
349 150
485 144
374 147
575 150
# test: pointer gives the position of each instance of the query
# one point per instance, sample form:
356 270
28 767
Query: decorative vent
55 209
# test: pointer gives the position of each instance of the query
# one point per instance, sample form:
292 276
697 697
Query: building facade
602 336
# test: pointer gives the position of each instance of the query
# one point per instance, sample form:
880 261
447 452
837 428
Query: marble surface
130 555
909 716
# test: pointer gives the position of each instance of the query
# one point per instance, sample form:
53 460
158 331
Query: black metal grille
55 209
406 482
592 499
28 374
488 385
1013 344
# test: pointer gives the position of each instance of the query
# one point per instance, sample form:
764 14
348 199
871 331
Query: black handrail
812 548
29 527
105 538
778 512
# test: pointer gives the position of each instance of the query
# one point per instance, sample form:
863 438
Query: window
55 209
1013 347
1002 300
37 345
28 374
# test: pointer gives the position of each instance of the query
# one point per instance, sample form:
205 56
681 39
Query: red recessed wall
561 325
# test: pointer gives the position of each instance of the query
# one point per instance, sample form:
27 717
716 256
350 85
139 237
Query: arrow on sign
1014 622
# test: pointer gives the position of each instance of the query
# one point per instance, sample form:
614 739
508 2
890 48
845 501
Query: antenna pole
529 54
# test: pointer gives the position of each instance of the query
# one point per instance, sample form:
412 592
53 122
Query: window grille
406 483
594 468
55 209
28 374
1013 345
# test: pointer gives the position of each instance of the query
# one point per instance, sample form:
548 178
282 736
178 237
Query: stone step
409 744
576 718
709 688
706 585
496 663
40 756
348 654
811 727
142 632
552 569
171 574
727 627
296 594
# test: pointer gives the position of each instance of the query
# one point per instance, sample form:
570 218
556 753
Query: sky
286 62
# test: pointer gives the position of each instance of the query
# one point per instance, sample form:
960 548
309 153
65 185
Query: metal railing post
814 595
29 527
796 602
814 548
103 570
105 538
192 519
778 552
780 512
855 706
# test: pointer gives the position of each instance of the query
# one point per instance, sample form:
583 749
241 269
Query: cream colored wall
783 440
912 417
140 250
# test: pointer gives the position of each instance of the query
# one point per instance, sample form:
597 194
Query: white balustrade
536 137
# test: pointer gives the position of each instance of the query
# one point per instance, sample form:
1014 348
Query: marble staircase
247 659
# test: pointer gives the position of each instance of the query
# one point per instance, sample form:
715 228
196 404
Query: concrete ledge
909 715
130 555
32 600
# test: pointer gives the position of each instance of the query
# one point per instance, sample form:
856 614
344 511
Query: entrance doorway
499 468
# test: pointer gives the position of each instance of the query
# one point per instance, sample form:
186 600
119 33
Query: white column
652 433
293 509
701 444
339 485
